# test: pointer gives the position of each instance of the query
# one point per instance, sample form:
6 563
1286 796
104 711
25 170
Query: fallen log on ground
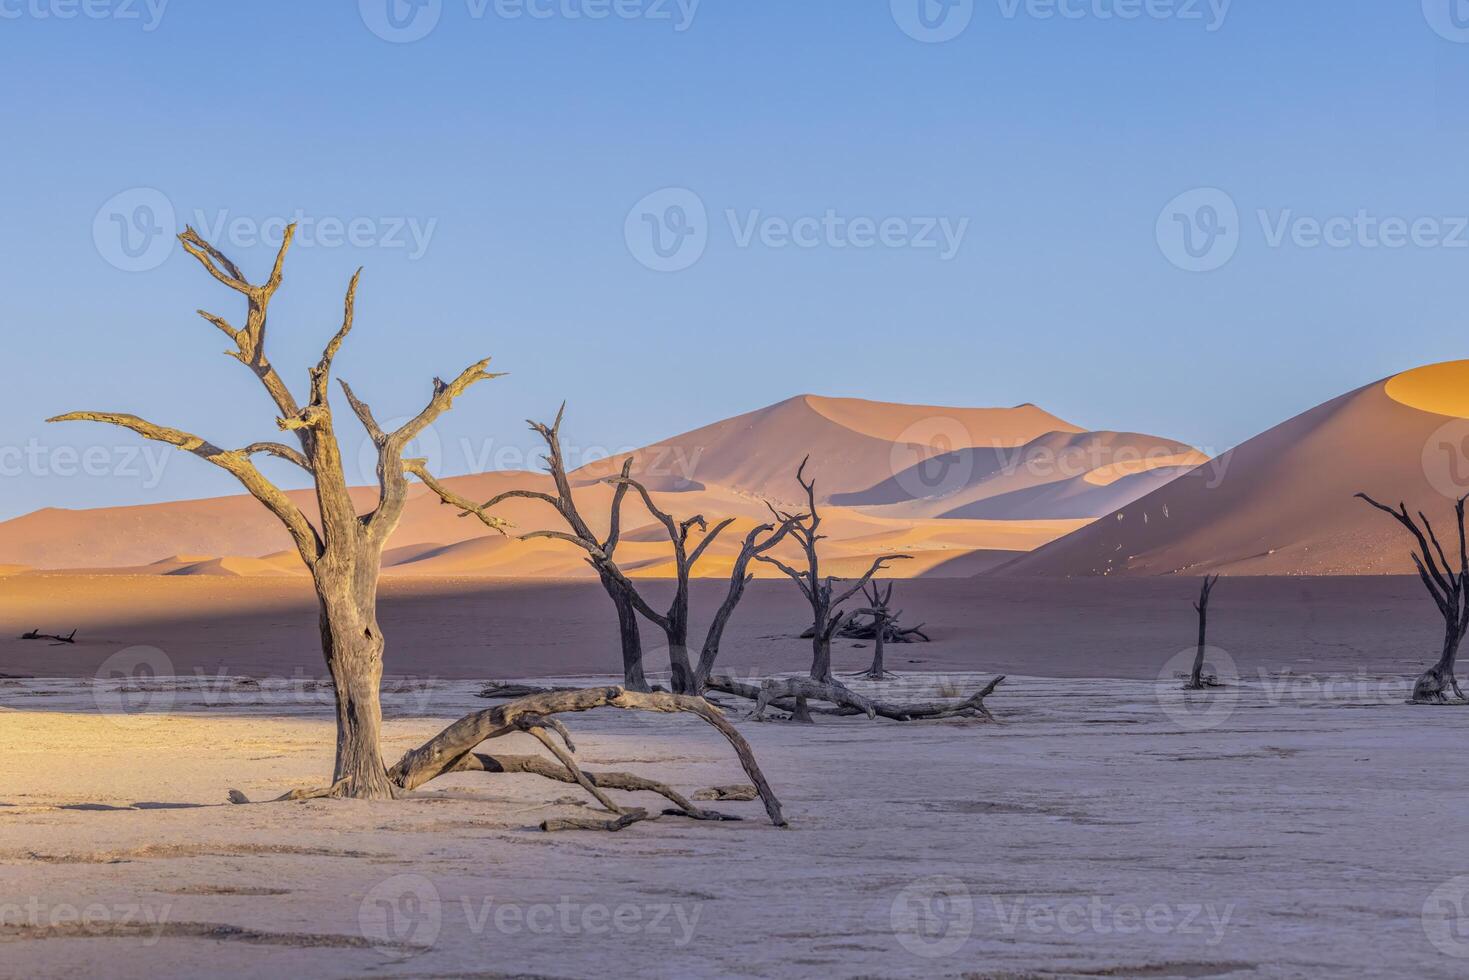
454 751
793 695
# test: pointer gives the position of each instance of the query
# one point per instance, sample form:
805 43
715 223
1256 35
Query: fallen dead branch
36 634
493 690
794 695
453 751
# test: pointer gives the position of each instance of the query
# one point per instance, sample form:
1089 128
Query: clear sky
983 220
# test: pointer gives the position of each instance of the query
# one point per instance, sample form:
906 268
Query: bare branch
443 400
419 468
237 463
283 452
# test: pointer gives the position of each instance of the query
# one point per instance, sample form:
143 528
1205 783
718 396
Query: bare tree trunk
821 656
878 670
1435 683
353 646
677 631
1196 677
633 677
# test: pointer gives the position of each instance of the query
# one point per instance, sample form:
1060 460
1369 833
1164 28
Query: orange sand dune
729 469
1282 503
853 445
1056 475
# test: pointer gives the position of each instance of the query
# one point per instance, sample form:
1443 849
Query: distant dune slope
1055 475
854 444
865 456
1282 503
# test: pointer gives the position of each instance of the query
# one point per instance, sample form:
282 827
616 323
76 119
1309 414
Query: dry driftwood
493 690
793 695
36 634
454 750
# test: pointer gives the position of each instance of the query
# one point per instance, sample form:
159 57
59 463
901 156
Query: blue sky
491 174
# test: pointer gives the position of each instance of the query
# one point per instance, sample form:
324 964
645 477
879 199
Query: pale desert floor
1297 823
1099 831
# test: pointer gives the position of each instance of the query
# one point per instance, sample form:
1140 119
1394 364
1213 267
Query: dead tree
826 615
601 552
675 621
1450 591
1196 679
760 540
342 549
343 552
881 612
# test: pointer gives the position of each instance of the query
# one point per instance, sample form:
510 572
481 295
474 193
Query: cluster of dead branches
691 539
342 550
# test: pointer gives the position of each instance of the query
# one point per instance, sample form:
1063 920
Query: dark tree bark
760 540
342 550
675 620
1450 591
880 609
825 601
1196 676
601 552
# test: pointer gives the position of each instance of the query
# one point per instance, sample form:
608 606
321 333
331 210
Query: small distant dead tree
601 552
881 612
1196 679
1450 591
826 615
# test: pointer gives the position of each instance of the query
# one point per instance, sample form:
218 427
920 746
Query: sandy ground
1296 823
473 630
1106 828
